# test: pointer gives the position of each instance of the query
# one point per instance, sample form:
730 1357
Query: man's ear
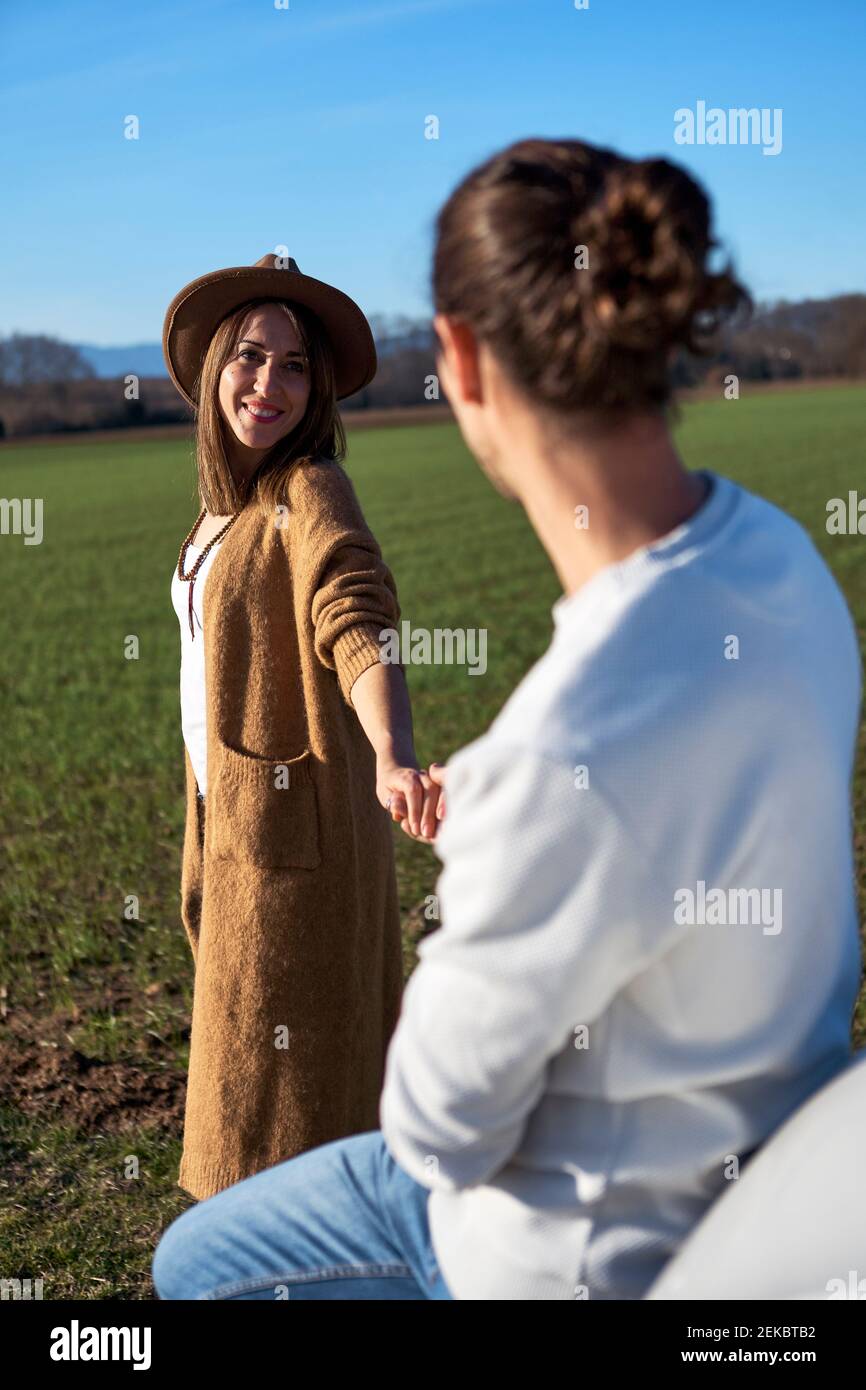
457 360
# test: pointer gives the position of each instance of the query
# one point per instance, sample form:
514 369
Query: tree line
48 386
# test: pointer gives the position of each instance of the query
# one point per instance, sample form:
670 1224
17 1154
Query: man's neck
592 505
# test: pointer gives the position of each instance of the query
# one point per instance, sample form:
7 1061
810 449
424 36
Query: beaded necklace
190 578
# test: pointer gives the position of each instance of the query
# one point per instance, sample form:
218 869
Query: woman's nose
266 379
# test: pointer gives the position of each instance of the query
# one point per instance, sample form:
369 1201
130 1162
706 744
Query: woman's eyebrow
252 341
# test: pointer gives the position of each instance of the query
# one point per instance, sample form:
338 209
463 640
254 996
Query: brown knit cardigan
290 907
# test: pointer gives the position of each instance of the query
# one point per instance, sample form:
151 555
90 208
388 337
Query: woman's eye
249 352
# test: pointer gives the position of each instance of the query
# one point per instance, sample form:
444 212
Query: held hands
414 798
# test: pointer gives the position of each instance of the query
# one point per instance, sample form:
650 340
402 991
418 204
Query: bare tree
30 359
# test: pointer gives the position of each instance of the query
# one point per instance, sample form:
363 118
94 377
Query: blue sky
304 127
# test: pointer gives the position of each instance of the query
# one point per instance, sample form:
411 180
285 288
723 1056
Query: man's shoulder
520 810
564 702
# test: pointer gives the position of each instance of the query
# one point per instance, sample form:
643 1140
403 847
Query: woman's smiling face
265 385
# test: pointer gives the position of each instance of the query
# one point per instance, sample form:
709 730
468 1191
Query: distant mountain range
145 359
142 359
816 337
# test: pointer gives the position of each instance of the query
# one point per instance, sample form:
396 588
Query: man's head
565 278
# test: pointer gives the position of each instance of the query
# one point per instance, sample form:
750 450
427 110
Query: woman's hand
381 701
411 796
429 786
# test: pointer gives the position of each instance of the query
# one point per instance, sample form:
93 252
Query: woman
297 738
586 1055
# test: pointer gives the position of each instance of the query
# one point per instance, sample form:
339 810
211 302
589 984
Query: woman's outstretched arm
381 700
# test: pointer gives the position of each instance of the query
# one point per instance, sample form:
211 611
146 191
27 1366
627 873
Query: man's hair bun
648 239
582 329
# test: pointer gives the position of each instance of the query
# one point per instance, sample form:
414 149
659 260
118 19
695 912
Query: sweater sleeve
356 599
542 898
349 589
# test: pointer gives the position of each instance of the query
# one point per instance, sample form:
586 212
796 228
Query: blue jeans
342 1221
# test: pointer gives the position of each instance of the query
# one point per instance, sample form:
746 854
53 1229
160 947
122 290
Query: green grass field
95 1026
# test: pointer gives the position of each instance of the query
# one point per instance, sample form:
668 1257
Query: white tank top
193 702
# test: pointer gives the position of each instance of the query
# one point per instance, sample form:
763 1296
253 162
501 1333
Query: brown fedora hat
196 310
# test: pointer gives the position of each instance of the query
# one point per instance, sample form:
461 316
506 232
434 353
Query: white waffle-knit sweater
607 1016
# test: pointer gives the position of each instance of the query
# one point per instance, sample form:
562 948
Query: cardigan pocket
264 811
